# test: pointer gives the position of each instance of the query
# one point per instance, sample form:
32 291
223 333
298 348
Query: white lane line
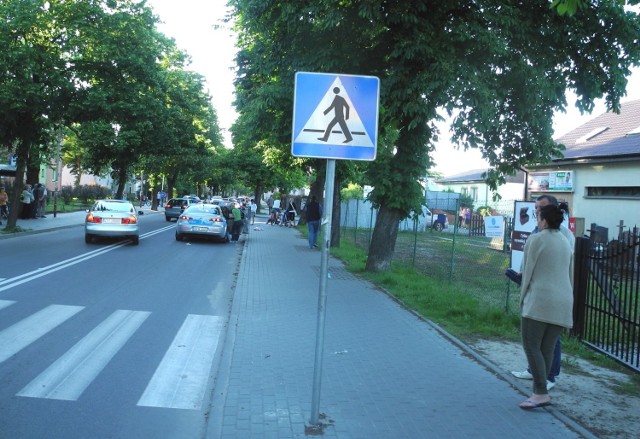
5 303
67 378
22 334
9 283
181 378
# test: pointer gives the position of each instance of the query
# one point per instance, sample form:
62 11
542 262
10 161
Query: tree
35 85
499 68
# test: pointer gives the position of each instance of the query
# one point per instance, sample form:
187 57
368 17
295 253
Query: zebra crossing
179 381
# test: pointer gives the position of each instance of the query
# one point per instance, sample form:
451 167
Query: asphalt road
109 339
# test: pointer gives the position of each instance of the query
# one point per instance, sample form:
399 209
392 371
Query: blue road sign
335 116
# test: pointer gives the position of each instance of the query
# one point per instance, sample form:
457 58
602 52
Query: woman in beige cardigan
546 298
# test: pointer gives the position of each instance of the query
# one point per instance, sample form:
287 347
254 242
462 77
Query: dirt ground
586 395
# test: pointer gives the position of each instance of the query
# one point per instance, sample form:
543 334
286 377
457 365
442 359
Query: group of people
464 217
313 214
546 297
33 201
239 216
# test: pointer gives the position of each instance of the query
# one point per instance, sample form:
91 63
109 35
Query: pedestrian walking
253 210
313 212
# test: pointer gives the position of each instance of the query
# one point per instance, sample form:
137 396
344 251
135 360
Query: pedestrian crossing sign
335 116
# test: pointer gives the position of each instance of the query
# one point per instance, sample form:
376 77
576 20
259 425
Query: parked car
437 221
175 206
202 221
113 219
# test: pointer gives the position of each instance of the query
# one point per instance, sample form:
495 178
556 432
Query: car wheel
178 237
88 238
135 240
437 226
167 218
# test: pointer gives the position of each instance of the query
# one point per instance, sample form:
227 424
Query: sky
191 23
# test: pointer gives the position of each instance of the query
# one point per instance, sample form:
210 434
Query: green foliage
500 70
85 193
100 72
353 191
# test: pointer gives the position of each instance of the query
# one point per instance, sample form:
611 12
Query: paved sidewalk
386 372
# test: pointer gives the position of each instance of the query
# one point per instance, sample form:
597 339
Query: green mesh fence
460 254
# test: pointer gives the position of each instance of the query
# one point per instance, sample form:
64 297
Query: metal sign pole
322 294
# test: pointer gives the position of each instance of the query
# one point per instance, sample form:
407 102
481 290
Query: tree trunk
22 154
122 181
257 193
383 240
335 215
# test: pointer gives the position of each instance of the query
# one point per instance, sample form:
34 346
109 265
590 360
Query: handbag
514 276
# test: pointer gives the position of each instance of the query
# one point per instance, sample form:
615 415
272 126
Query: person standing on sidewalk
40 194
26 202
314 214
237 223
546 299
253 210
545 200
4 198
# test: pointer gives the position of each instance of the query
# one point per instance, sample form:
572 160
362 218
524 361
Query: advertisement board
551 181
524 214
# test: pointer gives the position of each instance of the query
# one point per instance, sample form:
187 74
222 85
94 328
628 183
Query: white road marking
70 375
181 378
9 283
22 334
5 303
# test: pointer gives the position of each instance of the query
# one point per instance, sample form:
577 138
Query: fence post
580 283
355 227
453 244
415 240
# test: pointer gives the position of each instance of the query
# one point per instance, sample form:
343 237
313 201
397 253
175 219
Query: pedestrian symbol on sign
341 108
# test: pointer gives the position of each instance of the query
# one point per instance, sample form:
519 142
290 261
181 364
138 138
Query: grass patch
10 230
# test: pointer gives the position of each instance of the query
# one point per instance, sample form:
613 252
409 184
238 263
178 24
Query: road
111 340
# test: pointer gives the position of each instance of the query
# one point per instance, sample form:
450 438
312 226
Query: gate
607 297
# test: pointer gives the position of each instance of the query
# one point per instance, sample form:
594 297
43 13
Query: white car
202 221
112 219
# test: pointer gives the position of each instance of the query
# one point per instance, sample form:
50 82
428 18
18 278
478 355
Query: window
634 132
591 134
612 192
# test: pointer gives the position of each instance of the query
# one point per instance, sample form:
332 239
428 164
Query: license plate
200 229
111 220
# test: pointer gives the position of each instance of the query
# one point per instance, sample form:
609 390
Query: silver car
203 221
112 219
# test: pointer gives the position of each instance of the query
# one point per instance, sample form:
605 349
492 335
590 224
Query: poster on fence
494 226
524 215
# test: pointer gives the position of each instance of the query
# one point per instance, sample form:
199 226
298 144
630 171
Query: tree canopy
98 73
500 69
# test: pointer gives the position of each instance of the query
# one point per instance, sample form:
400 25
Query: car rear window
175 202
212 210
111 206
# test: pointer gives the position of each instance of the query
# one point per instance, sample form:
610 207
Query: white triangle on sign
315 128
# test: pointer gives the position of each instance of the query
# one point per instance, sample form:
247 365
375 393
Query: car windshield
104 206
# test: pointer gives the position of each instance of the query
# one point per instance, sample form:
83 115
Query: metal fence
607 296
460 254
